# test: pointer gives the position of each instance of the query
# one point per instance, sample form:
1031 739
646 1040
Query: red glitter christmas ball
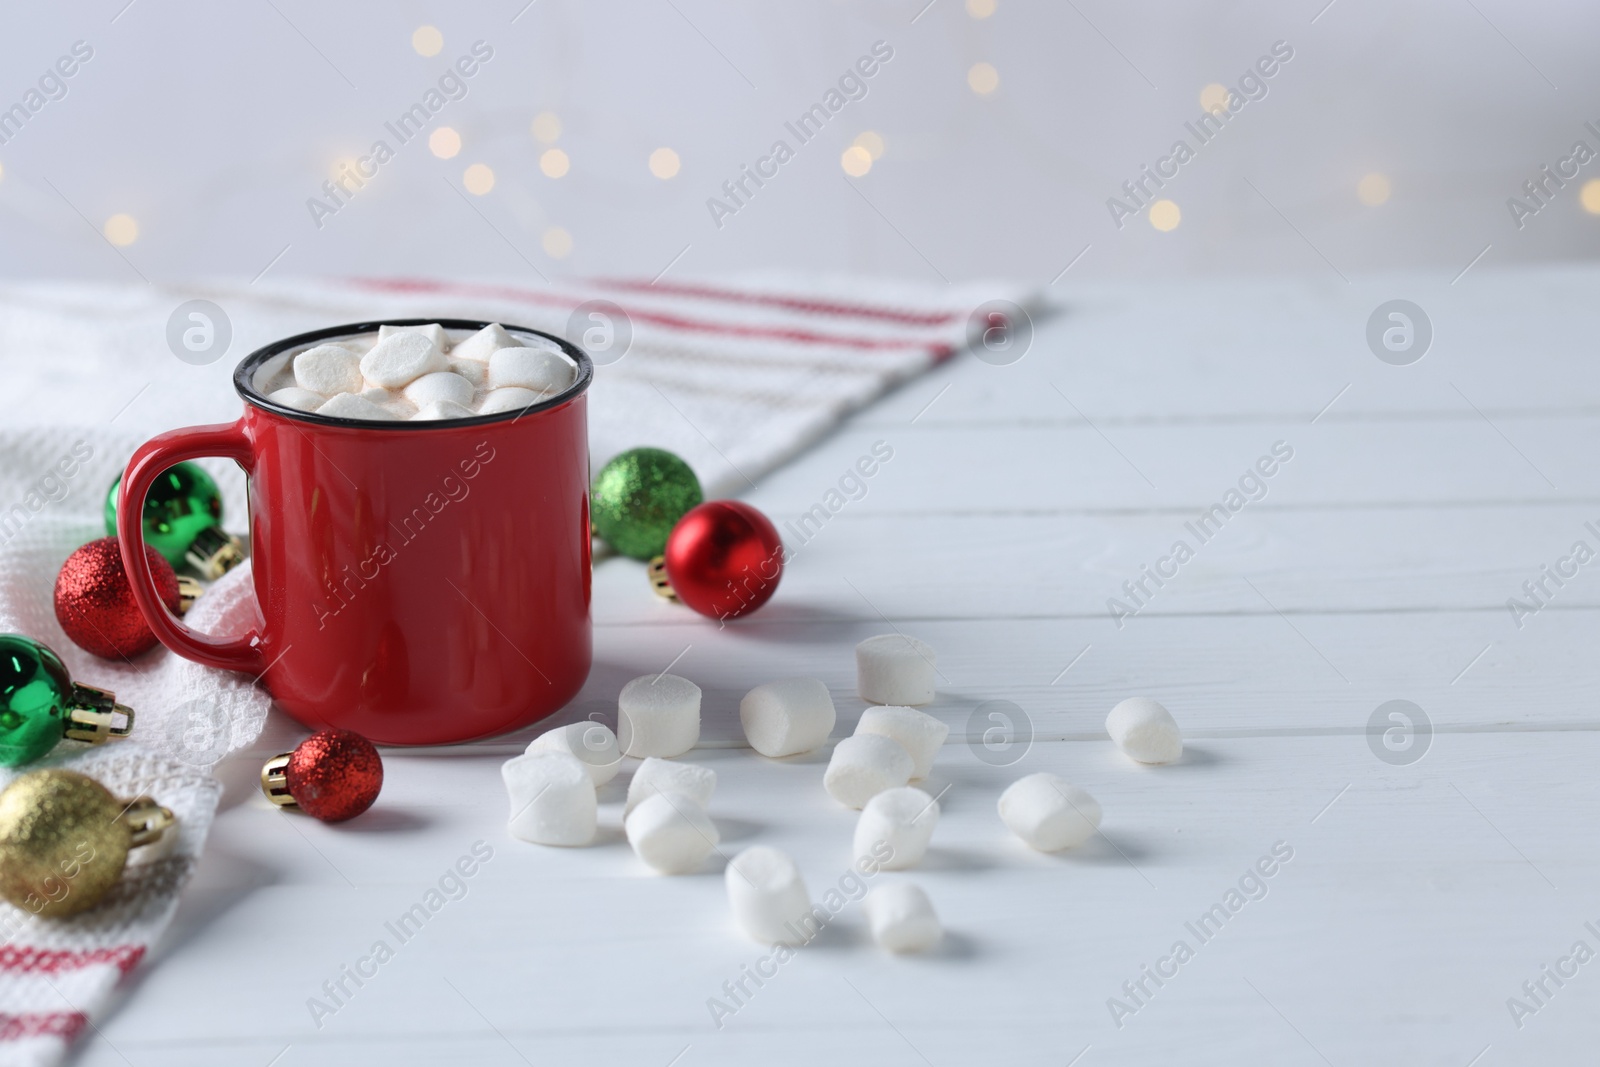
95 605
334 775
724 559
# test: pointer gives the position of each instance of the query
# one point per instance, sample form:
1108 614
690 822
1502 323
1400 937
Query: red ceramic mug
417 582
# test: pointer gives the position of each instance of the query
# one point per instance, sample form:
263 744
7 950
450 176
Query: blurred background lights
1164 215
546 127
341 166
1589 196
980 9
427 40
983 78
872 141
664 163
121 230
478 179
1373 189
554 163
444 142
856 161
557 242
1214 96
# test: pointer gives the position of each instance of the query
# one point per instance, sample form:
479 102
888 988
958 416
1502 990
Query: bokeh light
121 230
1373 189
1165 216
444 142
546 127
557 242
664 163
856 161
478 179
872 141
427 40
554 163
983 78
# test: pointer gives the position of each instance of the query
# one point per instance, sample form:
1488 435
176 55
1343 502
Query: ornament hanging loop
146 821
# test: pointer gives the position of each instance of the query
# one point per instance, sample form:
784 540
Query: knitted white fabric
734 378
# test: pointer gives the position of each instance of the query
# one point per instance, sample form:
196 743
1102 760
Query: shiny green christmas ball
638 497
34 691
183 501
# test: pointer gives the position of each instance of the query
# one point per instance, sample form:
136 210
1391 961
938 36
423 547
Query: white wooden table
1420 897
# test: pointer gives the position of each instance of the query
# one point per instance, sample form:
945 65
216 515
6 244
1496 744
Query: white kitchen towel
734 377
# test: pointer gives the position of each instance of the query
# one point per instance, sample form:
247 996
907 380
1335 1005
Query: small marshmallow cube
1145 730
895 669
395 404
921 734
895 827
328 369
401 358
432 331
658 715
440 385
592 743
297 398
864 766
787 717
485 343
1048 812
552 799
473 371
768 897
663 776
511 398
902 917
671 832
531 368
354 406
442 409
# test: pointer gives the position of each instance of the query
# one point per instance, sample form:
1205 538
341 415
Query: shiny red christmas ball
724 559
334 775
95 605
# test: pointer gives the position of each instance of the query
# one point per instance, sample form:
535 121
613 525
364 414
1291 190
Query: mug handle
229 440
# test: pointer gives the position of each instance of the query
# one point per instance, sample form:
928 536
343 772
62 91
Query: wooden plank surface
1377 566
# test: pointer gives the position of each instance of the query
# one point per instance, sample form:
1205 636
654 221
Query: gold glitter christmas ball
64 840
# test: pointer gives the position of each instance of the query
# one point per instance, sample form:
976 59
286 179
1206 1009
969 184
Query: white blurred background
987 147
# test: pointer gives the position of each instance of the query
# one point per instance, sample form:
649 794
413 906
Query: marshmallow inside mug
416 373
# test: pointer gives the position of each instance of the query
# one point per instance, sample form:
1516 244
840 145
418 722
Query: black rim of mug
244 374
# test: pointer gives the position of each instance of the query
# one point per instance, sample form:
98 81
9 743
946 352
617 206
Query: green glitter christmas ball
638 497
183 501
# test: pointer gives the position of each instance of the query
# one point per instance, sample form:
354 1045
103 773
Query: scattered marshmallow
671 832
297 398
355 406
552 799
787 717
864 766
921 734
400 358
531 368
485 343
663 776
472 370
895 669
895 827
438 386
902 917
432 331
658 715
511 398
442 409
768 897
328 369
1145 730
1048 812
592 743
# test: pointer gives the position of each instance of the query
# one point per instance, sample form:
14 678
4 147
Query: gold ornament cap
189 590
214 553
275 782
93 716
64 840
658 578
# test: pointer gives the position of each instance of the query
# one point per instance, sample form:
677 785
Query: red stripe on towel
24 959
790 303
62 1024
